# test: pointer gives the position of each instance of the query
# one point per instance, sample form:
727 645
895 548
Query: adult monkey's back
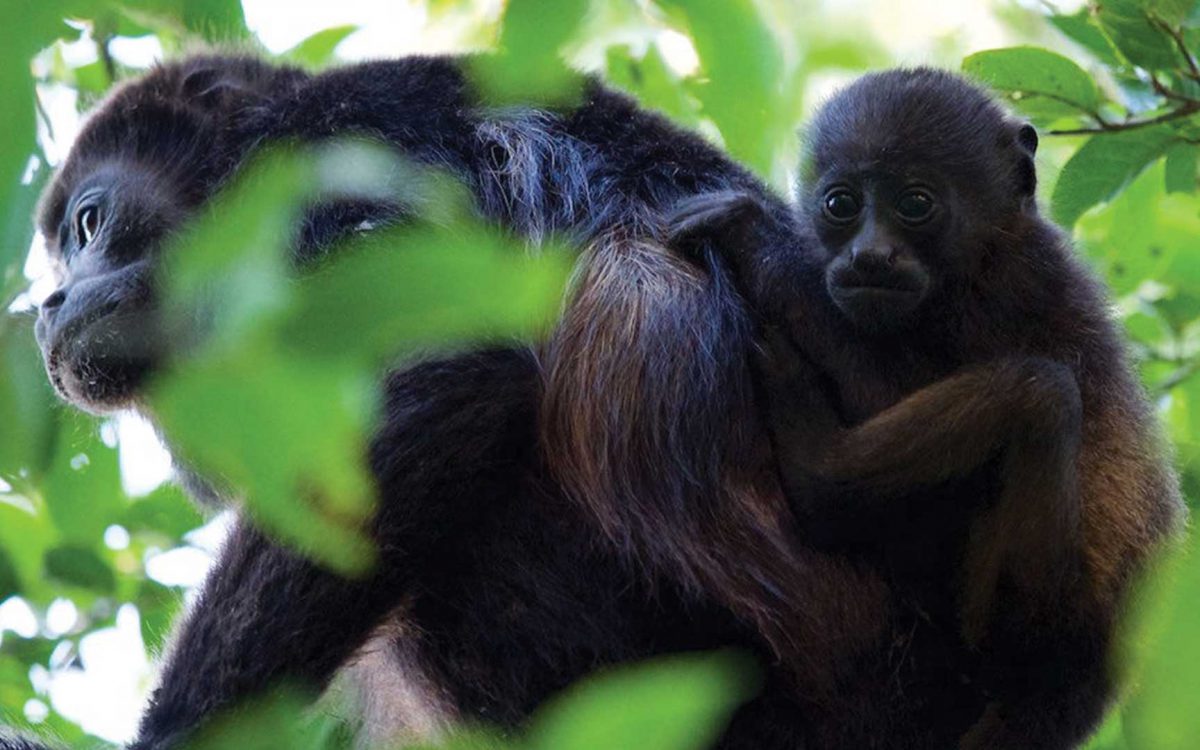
542 512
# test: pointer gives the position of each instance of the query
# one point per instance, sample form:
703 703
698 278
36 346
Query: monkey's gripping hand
800 416
723 222
728 224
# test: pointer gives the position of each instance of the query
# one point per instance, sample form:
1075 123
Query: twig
110 66
1167 93
42 113
1103 126
1180 43
1178 377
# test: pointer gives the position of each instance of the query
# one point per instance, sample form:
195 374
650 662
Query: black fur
601 499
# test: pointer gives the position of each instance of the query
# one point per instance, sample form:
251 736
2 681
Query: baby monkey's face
885 235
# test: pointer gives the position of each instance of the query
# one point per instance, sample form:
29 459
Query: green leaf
164 511
92 78
83 487
425 285
1102 167
1034 72
215 20
226 272
652 82
673 703
80 566
1080 28
469 739
1141 42
263 723
10 580
25 403
221 21
743 92
1144 235
317 50
290 435
527 68
1181 168
1162 713
1171 12
25 535
157 608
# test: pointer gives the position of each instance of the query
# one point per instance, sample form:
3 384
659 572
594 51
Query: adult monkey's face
98 331
144 163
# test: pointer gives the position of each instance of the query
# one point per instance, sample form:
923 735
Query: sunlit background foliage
97 557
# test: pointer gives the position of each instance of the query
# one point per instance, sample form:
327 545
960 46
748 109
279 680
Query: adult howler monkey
989 448
602 498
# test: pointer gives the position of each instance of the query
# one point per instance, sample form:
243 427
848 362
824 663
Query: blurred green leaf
214 20
267 723
1143 234
1162 713
286 423
671 703
317 50
1104 165
652 82
81 566
220 20
10 580
83 487
164 511
25 403
425 285
527 67
1181 168
25 535
226 276
1172 12
157 607
92 78
290 434
745 88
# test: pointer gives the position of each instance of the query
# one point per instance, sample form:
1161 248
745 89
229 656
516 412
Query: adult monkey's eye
87 224
915 206
840 206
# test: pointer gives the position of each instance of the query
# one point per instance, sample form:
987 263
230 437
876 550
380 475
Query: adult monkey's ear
214 89
1027 143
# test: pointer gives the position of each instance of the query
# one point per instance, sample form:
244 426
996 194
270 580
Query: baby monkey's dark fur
983 441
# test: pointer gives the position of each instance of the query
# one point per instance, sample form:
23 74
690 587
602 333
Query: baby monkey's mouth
851 280
877 300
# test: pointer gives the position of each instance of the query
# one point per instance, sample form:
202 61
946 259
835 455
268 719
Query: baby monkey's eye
915 206
87 224
840 206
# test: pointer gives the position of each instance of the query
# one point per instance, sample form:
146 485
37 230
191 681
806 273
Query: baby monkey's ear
1027 143
1027 138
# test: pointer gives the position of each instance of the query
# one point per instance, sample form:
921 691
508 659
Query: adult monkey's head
911 178
151 154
